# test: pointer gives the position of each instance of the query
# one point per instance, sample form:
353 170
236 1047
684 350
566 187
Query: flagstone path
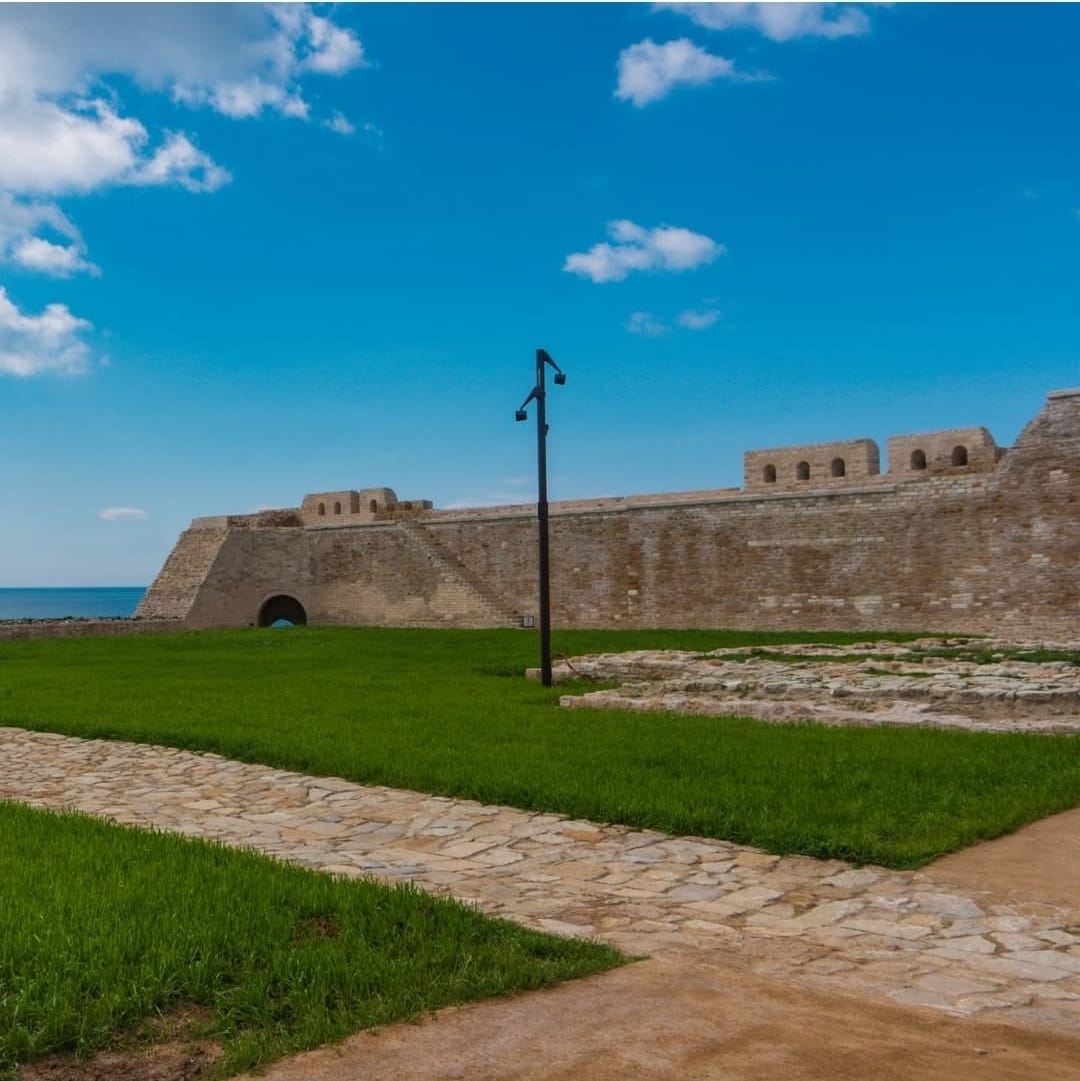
903 935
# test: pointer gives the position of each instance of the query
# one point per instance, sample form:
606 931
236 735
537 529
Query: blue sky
248 253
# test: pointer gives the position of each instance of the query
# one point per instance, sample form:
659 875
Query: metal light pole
539 395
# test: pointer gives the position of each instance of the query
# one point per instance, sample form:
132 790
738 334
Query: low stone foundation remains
85 628
930 683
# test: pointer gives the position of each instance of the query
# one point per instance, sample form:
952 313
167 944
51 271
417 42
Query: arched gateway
282 608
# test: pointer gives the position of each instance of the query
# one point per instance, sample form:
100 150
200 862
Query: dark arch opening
959 456
322 508
918 459
337 506
770 474
373 506
839 469
802 471
281 610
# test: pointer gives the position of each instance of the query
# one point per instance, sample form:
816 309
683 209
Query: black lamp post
538 395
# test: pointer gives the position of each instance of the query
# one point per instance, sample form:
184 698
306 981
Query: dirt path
1038 864
684 1017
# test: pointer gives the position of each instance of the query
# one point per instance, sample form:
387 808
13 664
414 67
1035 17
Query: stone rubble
898 685
862 929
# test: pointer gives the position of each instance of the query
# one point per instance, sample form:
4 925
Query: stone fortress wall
957 535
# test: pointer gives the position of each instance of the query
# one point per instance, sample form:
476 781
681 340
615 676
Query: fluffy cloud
50 342
699 319
63 130
179 161
649 72
637 248
21 221
123 514
779 21
200 54
49 149
59 260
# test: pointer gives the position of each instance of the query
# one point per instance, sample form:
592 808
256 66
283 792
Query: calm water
55 603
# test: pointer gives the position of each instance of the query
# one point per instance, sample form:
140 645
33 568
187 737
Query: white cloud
649 72
123 514
645 323
59 260
197 53
46 148
341 124
778 21
50 342
699 319
64 131
330 49
178 161
61 254
636 248
246 99
61 128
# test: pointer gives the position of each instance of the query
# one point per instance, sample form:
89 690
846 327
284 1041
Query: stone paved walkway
824 922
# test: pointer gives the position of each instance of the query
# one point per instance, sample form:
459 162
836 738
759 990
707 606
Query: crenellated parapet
857 462
351 507
815 465
954 450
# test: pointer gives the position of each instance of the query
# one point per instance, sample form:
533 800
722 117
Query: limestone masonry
958 535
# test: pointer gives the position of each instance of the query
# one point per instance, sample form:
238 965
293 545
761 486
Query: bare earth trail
758 966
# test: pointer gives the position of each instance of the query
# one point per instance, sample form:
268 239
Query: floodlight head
560 379
521 415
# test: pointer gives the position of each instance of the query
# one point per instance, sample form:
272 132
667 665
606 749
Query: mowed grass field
448 712
104 927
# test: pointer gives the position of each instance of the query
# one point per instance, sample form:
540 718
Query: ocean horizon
58 602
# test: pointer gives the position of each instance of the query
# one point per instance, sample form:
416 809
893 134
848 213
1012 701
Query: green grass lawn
447 712
105 926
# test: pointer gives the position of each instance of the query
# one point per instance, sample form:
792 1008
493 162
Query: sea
83 603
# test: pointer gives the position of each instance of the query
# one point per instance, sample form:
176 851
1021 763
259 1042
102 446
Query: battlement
322 509
838 465
815 465
856 462
954 450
